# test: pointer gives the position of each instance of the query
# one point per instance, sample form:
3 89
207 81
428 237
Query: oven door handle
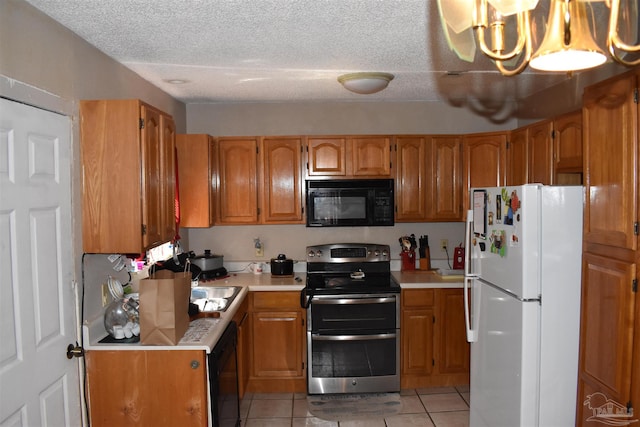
353 337
336 301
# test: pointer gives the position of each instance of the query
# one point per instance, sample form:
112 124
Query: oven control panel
348 252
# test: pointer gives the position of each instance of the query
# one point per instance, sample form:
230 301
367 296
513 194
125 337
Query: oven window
342 207
337 357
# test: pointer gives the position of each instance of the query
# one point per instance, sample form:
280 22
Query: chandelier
565 42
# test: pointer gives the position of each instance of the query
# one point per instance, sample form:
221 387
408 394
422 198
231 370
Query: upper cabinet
281 166
260 180
411 178
518 157
349 156
541 152
567 149
484 161
444 183
428 178
128 176
197 179
238 180
611 162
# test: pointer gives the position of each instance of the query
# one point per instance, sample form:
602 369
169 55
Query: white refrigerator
522 304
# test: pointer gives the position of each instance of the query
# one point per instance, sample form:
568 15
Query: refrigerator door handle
472 335
468 244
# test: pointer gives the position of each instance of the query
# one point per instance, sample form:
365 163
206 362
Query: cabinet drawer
417 297
272 300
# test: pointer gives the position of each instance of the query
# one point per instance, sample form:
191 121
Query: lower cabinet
243 349
433 341
147 388
277 356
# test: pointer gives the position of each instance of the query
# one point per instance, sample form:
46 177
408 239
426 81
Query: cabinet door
518 157
417 341
411 178
444 198
541 153
282 180
168 174
567 141
484 159
611 163
277 344
606 331
238 190
147 388
451 346
196 181
327 156
152 204
371 156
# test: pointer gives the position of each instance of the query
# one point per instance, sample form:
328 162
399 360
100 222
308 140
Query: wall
46 65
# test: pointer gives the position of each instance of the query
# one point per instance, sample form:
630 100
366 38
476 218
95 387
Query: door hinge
258 211
508 145
141 123
635 228
553 134
257 150
144 229
433 362
635 95
434 319
634 285
302 210
629 408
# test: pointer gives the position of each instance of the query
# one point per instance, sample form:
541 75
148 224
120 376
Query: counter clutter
204 333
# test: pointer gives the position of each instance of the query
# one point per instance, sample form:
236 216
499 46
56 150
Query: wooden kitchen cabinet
147 388
428 178
484 161
567 149
444 182
371 156
367 156
238 180
281 191
540 153
243 348
277 342
518 157
128 176
609 360
197 179
433 344
411 178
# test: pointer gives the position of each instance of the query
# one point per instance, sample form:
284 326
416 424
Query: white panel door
38 385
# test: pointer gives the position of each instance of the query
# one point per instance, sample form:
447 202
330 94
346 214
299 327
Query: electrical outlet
444 244
259 252
105 294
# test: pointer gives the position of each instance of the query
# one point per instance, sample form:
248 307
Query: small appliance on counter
210 265
282 266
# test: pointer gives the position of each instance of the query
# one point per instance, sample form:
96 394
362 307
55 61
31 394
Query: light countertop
204 333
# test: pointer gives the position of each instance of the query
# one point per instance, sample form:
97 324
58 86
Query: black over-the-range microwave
350 203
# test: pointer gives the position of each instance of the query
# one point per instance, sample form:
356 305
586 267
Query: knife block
425 261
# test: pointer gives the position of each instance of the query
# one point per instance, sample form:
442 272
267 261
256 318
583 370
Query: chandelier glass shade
512 34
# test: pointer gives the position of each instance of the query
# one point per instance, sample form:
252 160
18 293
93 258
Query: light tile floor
422 407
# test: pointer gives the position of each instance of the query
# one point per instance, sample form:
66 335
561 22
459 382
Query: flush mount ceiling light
365 83
568 43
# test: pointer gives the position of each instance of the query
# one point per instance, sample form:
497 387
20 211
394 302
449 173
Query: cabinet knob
195 364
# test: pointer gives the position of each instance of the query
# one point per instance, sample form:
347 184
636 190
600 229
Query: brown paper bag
164 307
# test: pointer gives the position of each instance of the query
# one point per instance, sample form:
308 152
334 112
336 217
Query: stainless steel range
353 319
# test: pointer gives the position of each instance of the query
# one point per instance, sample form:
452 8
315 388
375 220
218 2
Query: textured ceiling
288 50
